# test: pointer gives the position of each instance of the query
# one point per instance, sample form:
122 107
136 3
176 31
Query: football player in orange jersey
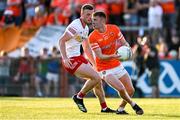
75 35
104 41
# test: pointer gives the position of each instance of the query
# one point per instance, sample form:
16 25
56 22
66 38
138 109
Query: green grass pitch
19 108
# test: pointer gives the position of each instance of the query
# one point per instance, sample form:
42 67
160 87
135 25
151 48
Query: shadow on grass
105 114
162 115
151 115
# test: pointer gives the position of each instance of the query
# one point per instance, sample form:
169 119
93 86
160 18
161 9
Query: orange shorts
76 62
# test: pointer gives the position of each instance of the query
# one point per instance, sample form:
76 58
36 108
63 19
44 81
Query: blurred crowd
41 76
28 75
160 17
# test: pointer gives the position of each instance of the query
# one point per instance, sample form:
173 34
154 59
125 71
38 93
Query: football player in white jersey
75 35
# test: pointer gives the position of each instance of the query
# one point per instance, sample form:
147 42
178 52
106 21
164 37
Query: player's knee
131 92
96 79
121 88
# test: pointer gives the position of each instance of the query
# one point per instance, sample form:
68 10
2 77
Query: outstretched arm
65 37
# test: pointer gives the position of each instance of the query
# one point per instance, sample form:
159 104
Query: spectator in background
153 65
82 2
130 19
53 73
59 3
174 47
2 22
2 8
30 6
143 6
155 21
138 68
4 72
58 17
41 72
162 48
101 6
72 84
25 72
116 11
178 17
38 80
75 10
139 58
40 17
130 10
47 4
76 7
41 7
168 7
8 19
172 55
16 7
175 42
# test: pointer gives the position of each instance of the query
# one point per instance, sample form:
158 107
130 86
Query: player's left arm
124 42
121 41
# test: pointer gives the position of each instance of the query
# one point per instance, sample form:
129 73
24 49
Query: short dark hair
100 14
87 7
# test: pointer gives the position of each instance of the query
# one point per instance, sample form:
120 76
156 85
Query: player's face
87 14
97 22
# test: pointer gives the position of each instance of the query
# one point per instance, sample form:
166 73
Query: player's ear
103 19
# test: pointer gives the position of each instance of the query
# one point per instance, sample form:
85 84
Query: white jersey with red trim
79 34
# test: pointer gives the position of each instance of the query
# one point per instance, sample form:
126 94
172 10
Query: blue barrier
169 79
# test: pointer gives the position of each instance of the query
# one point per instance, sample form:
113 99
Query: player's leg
87 72
48 85
126 81
117 84
154 82
55 84
37 83
99 93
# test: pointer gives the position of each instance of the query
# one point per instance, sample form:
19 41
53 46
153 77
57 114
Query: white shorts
118 71
52 77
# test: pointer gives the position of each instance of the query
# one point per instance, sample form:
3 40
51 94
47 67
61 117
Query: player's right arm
68 34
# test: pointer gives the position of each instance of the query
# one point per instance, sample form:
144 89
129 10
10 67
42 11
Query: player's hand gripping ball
124 52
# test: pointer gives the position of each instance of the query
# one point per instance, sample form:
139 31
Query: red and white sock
103 106
80 95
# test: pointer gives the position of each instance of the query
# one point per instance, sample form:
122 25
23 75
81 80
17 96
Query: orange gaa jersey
108 42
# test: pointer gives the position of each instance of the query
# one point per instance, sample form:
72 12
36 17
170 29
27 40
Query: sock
80 95
103 106
133 104
120 109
